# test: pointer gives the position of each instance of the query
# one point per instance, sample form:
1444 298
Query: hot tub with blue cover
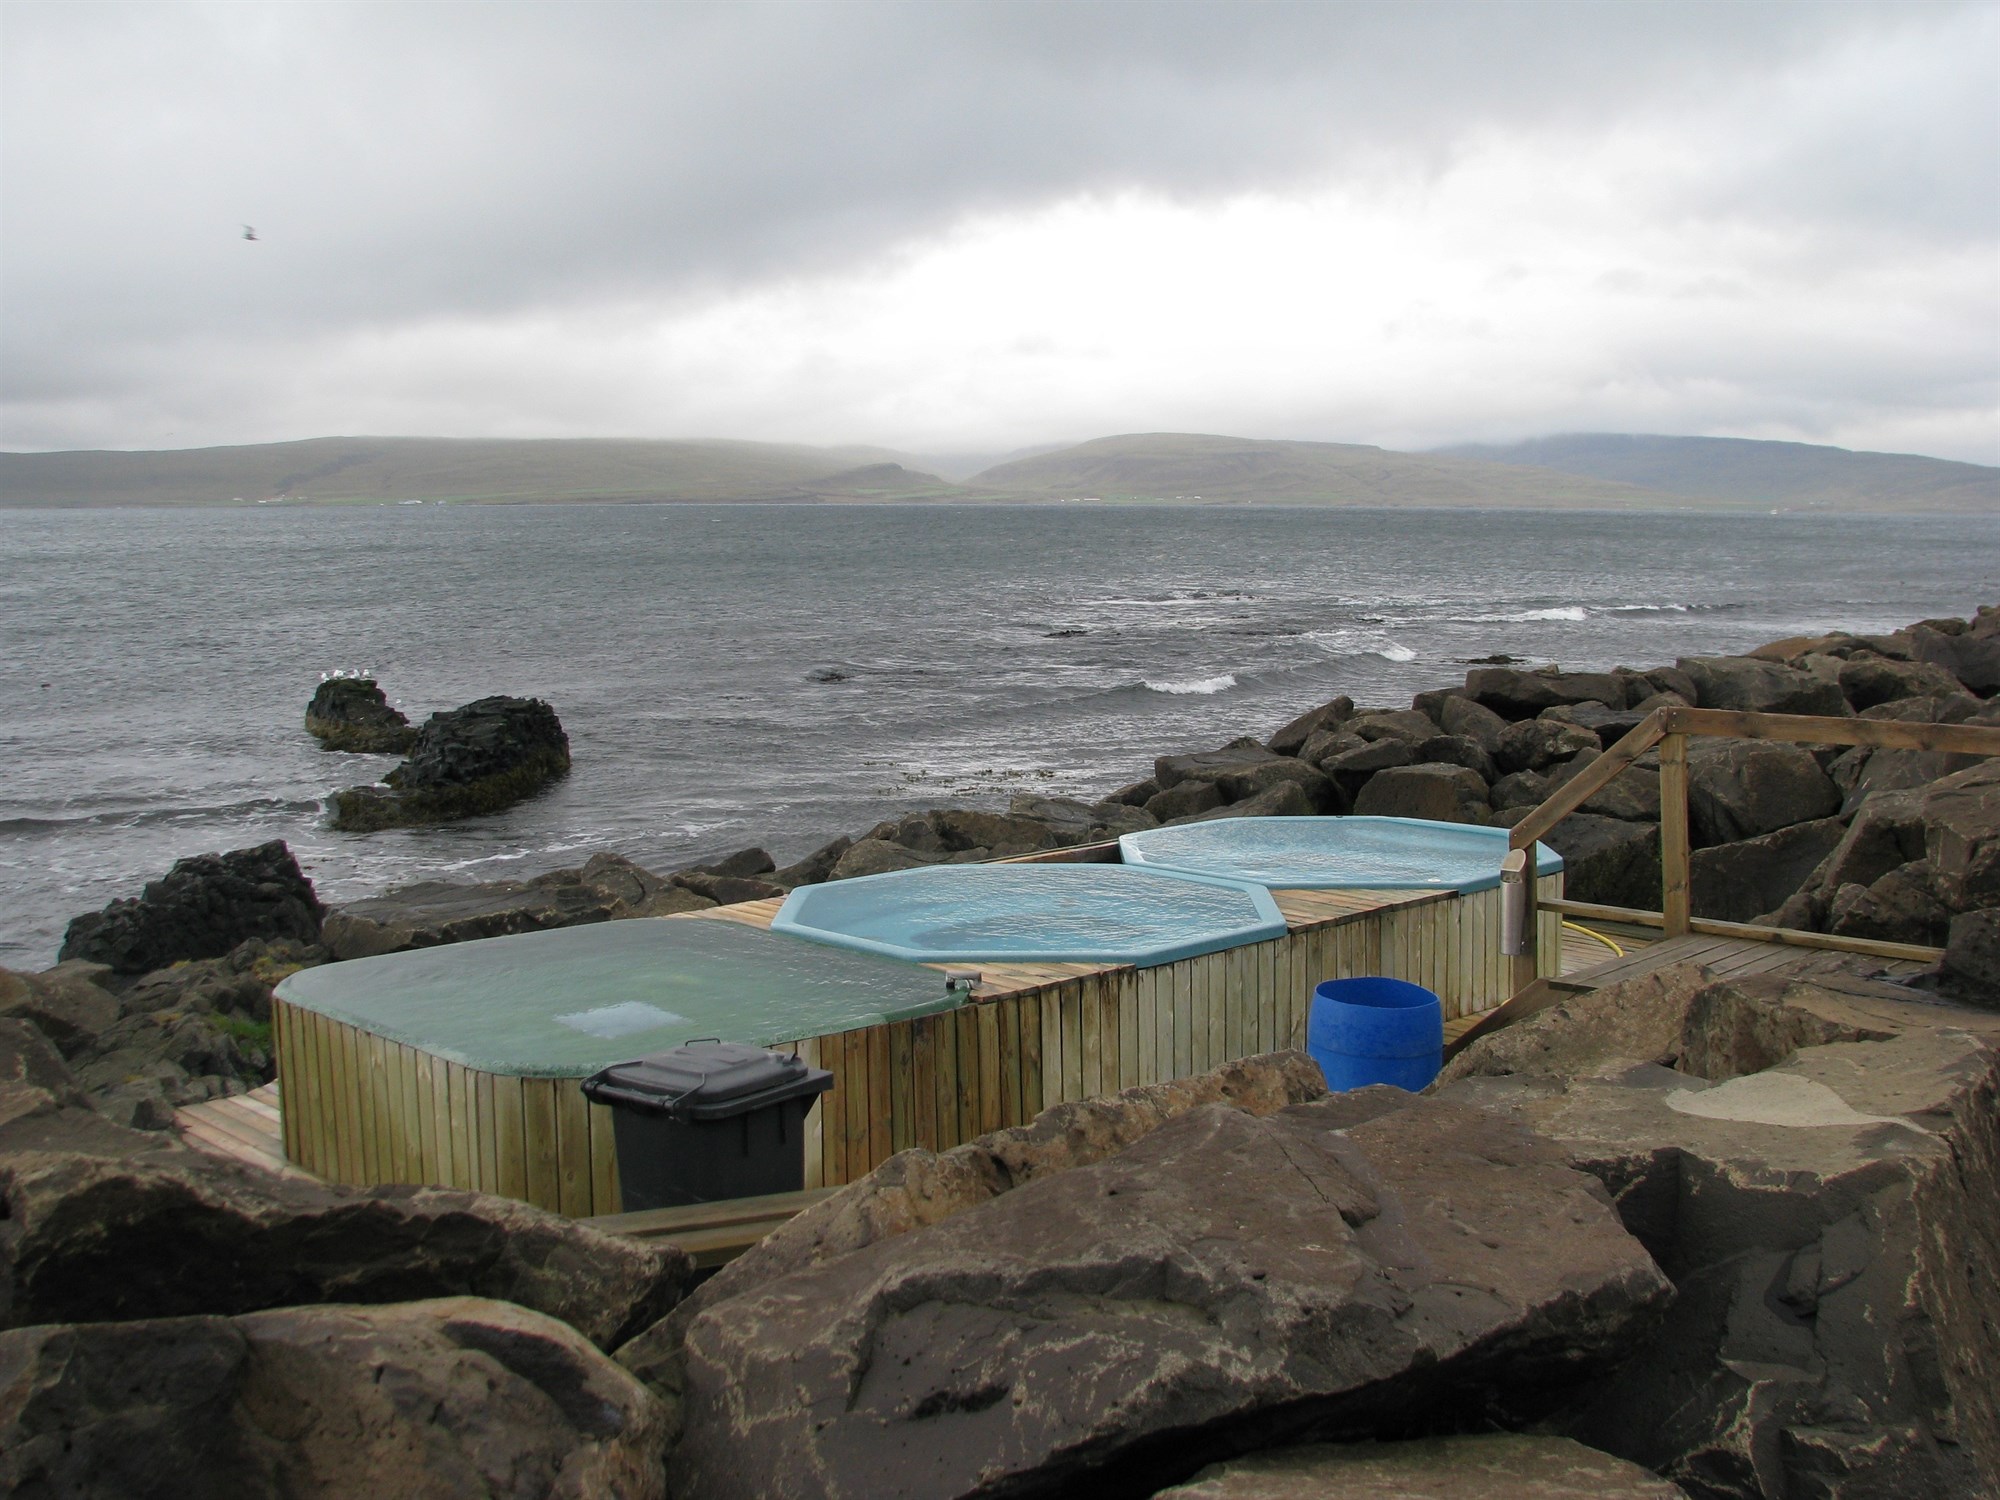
1081 913
1326 853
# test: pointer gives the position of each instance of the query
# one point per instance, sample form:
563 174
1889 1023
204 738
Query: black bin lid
706 1081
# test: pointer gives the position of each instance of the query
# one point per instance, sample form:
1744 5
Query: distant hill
385 469
1187 467
1593 471
1743 471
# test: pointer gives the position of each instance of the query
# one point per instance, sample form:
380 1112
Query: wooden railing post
1524 963
1674 834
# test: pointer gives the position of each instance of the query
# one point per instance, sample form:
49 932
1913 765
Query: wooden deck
243 1128
1726 958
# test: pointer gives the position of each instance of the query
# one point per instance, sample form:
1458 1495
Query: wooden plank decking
243 1128
1726 958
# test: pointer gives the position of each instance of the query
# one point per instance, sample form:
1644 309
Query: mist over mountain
1595 471
1749 472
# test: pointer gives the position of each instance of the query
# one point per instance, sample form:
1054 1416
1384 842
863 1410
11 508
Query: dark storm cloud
422 162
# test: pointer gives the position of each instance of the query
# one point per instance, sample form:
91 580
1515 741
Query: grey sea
778 675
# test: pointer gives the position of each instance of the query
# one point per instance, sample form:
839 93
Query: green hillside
1189 467
1744 471
377 470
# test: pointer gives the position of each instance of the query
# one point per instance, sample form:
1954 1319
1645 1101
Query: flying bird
249 233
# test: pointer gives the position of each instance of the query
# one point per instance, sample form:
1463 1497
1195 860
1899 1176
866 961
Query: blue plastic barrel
1363 1031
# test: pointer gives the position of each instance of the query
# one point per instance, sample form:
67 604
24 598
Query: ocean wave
1180 687
32 827
1354 643
1394 651
1525 616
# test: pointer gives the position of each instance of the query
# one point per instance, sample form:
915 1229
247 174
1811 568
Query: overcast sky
963 227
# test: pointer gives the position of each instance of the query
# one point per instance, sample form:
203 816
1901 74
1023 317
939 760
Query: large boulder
429 913
1255 781
1473 721
1871 680
1901 906
1286 799
1972 657
1961 816
877 857
85 1239
66 1004
454 1397
1291 739
351 713
963 829
1888 831
1488 1466
1225 1283
1970 970
1516 694
1207 765
1608 860
1816 1172
466 761
1752 878
1744 682
1442 794
1739 789
201 908
1537 744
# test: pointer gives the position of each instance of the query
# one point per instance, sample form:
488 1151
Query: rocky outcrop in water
201 908
467 761
351 713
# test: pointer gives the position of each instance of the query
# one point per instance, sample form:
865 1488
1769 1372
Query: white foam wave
1202 685
1395 652
1525 616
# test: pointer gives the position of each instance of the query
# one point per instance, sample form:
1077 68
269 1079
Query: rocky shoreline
1472 1282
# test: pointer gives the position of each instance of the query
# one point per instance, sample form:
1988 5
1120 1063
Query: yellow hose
1590 932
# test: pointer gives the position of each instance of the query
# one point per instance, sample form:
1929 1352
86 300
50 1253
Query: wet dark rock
1488 1466
1739 789
351 713
1608 860
1971 967
1459 715
1138 794
201 908
1871 680
1760 686
457 1396
1287 799
1817 1178
1392 723
1901 906
1522 789
1205 765
726 890
827 674
877 857
1458 750
1292 738
1002 834
1184 799
466 762
1536 744
1253 781
1633 794
433 912
815 867
1329 1269
1971 657
1743 881
91 1240
1515 694
1442 794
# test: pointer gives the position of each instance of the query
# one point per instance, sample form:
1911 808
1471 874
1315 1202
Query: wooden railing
1670 728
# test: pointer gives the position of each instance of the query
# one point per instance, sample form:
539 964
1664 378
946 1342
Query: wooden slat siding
1238 1000
413 1134
1215 976
485 1167
1090 1051
311 1132
425 1125
946 1091
1049 1004
1069 1001
459 1101
346 1138
987 1026
881 1098
320 1157
854 1089
923 1082
1029 1009
1008 1015
395 1159
902 1072
538 1118
815 1167
1110 1029
1146 1023
605 1195
381 1090
281 1057
1184 1050
510 1127
832 1113
969 1073
573 1174
355 1043
329 1100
